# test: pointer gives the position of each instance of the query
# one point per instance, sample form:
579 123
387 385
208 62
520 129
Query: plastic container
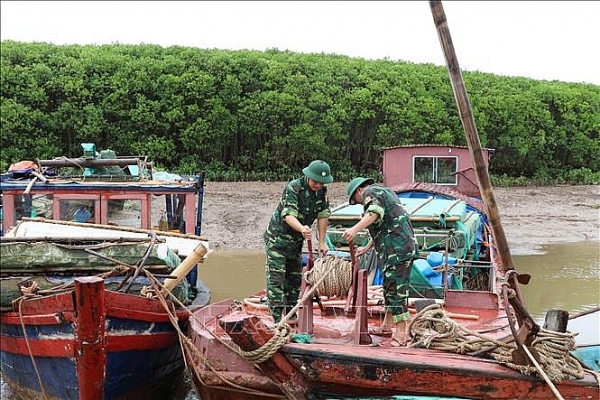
436 258
424 267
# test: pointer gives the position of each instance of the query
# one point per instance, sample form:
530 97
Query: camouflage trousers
284 275
395 289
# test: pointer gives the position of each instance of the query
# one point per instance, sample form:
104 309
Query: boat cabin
448 166
102 188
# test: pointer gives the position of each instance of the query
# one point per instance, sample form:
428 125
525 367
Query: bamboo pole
468 122
182 270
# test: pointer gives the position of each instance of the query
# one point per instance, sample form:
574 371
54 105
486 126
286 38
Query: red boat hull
336 365
90 343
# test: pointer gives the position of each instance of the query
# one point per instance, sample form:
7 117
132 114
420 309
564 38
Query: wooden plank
89 337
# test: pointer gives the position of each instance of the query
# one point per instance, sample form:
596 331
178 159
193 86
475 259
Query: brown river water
564 276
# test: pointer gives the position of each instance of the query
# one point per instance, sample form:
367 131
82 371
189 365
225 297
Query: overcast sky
549 40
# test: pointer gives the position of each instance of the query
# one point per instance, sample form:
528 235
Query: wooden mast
468 122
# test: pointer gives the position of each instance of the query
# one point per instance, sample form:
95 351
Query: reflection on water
566 277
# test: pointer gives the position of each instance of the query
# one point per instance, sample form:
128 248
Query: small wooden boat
96 295
93 319
470 329
103 195
466 341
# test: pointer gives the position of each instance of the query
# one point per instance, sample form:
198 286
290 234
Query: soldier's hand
307 232
360 251
323 249
348 235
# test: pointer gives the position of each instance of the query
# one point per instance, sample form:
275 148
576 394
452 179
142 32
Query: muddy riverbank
235 214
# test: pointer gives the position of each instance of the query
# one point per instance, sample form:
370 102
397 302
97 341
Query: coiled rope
336 273
432 329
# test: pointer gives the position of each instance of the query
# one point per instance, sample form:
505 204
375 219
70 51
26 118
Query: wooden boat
464 342
87 318
475 342
90 310
102 195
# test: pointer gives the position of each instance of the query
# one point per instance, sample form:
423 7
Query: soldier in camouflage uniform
303 201
392 237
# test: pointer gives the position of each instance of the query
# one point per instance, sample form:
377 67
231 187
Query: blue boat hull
44 354
589 355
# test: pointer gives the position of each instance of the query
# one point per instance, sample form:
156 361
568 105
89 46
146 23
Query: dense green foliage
264 115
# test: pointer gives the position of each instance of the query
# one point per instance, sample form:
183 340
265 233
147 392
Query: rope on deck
432 328
262 354
327 269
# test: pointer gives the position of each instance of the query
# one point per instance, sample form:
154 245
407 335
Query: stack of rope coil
337 282
432 329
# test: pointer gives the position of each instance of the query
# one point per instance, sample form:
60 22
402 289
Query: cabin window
172 208
438 170
125 212
33 206
78 210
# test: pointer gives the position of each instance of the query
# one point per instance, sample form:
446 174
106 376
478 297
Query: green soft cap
355 184
318 171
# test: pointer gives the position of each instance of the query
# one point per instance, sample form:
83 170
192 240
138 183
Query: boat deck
335 354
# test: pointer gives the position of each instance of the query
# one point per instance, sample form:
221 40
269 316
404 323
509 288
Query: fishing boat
465 318
100 194
470 334
96 288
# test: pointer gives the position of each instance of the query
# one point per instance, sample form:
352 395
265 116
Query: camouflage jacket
298 200
392 233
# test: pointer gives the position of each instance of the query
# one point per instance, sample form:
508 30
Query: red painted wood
119 343
277 367
8 214
65 347
137 315
46 305
361 329
128 301
43 348
466 299
404 372
42 319
190 213
46 311
89 343
372 371
305 314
